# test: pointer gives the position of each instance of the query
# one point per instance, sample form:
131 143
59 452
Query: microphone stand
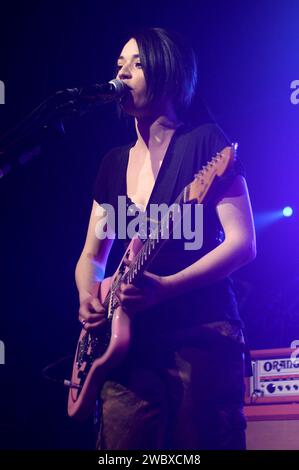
52 110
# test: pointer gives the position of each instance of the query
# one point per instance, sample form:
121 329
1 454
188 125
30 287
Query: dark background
248 56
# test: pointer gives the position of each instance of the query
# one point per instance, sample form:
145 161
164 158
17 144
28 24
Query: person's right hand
91 313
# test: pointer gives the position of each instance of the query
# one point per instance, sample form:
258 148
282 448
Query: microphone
98 93
71 101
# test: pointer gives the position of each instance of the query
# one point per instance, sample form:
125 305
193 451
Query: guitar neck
154 242
142 260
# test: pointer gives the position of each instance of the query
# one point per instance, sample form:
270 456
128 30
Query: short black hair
169 65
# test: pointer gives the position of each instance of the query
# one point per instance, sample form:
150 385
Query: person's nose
124 72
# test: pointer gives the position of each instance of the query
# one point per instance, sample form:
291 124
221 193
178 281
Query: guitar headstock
203 180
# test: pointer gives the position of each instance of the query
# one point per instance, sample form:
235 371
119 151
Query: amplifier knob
271 388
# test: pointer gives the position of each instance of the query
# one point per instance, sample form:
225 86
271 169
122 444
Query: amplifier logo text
280 364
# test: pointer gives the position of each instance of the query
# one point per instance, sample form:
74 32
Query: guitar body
100 351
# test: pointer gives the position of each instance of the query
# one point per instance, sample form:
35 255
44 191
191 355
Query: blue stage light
287 211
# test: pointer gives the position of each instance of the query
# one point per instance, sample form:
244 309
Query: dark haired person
181 385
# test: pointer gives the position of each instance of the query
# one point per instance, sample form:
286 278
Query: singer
181 384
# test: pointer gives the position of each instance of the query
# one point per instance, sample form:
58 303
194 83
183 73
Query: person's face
131 73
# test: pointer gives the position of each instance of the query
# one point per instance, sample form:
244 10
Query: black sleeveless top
177 319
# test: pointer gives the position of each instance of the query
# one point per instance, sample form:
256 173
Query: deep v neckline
161 171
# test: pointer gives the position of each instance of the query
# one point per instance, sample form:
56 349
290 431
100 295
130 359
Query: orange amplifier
275 377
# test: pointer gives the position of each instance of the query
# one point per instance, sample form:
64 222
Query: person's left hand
150 290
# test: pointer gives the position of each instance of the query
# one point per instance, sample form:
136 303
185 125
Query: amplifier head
275 377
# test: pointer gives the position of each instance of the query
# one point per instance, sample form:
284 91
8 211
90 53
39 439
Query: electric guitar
98 352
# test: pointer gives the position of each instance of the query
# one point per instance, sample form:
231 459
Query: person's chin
127 105
128 110
131 109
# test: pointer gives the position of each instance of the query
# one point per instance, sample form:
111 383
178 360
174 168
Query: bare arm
238 248
92 262
91 266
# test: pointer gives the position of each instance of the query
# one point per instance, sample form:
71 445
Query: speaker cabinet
273 435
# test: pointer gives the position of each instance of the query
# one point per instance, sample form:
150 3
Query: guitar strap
178 150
